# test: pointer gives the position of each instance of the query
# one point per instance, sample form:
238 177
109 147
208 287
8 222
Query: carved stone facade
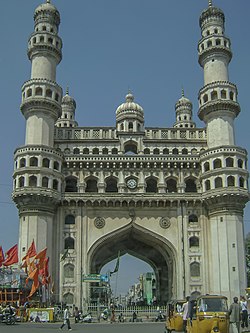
173 197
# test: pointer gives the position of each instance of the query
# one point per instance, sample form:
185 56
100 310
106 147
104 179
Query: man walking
185 313
66 319
234 319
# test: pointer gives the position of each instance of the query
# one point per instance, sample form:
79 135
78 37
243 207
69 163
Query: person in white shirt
185 313
66 319
244 312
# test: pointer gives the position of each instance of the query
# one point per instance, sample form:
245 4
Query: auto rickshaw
208 314
174 321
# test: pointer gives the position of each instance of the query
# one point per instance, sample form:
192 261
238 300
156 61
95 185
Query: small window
217 163
151 185
230 181
33 161
175 151
218 182
45 163
48 93
91 185
69 243
55 184
229 162
32 181
105 151
22 163
171 185
240 163
70 219
96 151
195 269
206 166
146 151
38 91
45 182
111 185
56 165
191 185
207 185
194 241
76 151
192 218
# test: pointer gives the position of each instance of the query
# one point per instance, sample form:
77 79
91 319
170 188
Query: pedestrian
112 319
134 316
234 316
244 312
185 313
77 315
66 319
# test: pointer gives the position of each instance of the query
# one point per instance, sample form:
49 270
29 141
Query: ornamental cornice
226 106
217 84
40 105
213 52
227 171
219 151
126 200
37 150
39 49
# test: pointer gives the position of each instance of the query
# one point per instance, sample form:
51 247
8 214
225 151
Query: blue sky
110 46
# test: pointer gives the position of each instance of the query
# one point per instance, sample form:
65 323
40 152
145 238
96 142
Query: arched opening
171 185
22 163
32 181
70 219
111 185
151 185
45 182
69 243
194 242
33 161
71 184
229 162
207 185
217 163
218 182
130 148
45 163
230 181
91 185
149 247
195 269
206 166
191 185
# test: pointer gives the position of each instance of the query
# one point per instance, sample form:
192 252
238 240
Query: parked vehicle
160 316
87 318
7 318
209 315
174 320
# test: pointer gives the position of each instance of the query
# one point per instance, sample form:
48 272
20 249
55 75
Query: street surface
88 328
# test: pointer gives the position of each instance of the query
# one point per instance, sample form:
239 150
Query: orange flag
34 276
41 257
1 256
31 251
45 271
12 256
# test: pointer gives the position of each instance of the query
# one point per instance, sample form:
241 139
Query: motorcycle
8 319
160 317
87 318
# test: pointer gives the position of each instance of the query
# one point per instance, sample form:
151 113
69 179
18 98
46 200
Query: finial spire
182 92
48 1
210 4
67 90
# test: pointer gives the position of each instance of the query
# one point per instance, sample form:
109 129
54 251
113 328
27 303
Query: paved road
85 328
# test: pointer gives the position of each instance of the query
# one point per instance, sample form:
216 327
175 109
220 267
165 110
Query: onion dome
129 106
67 118
67 99
211 12
183 109
48 8
129 116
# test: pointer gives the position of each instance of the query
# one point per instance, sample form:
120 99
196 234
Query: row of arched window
230 181
34 162
111 185
132 149
214 42
39 91
228 162
33 182
220 94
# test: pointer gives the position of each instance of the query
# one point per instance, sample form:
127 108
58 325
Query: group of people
238 314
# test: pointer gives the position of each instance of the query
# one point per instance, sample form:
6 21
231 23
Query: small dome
129 105
67 99
211 11
183 100
47 6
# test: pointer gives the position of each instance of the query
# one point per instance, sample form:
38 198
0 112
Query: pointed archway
142 244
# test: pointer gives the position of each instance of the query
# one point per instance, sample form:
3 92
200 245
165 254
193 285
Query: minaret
37 175
224 165
41 95
218 104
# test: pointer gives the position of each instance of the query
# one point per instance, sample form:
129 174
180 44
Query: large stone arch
143 244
